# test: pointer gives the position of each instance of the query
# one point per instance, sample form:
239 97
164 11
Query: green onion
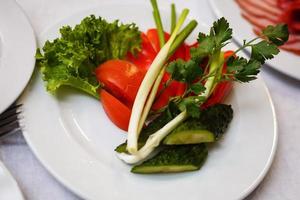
159 26
173 17
183 35
146 86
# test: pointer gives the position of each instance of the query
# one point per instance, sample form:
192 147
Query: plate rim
268 165
244 194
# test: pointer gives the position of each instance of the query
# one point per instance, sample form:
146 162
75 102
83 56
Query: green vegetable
186 134
217 118
157 19
146 93
209 53
167 115
174 159
210 125
277 34
71 59
184 71
173 17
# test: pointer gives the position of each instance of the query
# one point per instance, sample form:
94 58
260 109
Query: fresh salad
165 93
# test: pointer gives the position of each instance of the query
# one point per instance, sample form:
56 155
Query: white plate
71 135
8 186
286 62
17 50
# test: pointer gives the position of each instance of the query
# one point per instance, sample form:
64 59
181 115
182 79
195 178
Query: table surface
283 179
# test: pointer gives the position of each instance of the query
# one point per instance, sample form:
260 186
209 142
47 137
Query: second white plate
17 50
286 62
73 138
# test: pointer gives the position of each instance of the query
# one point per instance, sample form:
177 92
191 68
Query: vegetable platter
194 123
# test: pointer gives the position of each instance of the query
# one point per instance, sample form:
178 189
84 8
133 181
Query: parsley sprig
201 82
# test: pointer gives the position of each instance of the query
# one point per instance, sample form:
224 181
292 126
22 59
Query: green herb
277 34
71 59
183 71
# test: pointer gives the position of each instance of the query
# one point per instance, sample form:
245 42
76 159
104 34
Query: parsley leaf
204 49
197 88
235 64
278 34
221 32
184 71
192 105
263 51
248 71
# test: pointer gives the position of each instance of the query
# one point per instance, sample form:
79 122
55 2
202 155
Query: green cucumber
166 116
189 132
179 158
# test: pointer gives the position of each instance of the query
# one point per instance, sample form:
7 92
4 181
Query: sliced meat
260 23
261 5
257 12
295 47
272 3
293 38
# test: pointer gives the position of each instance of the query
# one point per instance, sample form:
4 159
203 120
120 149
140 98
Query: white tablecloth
281 183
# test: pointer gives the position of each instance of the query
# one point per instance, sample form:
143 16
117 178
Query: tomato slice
174 89
117 112
121 78
152 35
146 56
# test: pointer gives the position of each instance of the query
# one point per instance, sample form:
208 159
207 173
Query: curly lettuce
71 59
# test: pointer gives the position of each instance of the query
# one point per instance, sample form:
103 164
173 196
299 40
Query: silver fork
9 120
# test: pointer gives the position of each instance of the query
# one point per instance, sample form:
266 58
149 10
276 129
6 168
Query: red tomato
146 56
117 112
152 35
222 89
121 78
154 40
174 89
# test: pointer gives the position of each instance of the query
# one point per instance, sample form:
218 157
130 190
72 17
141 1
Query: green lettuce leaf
71 59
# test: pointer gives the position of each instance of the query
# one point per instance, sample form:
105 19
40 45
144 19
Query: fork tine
9 119
9 127
9 132
10 111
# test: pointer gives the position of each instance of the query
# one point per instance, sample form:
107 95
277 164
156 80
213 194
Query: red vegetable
121 78
117 112
146 56
175 88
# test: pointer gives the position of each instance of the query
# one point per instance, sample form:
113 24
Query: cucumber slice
189 137
179 158
189 132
